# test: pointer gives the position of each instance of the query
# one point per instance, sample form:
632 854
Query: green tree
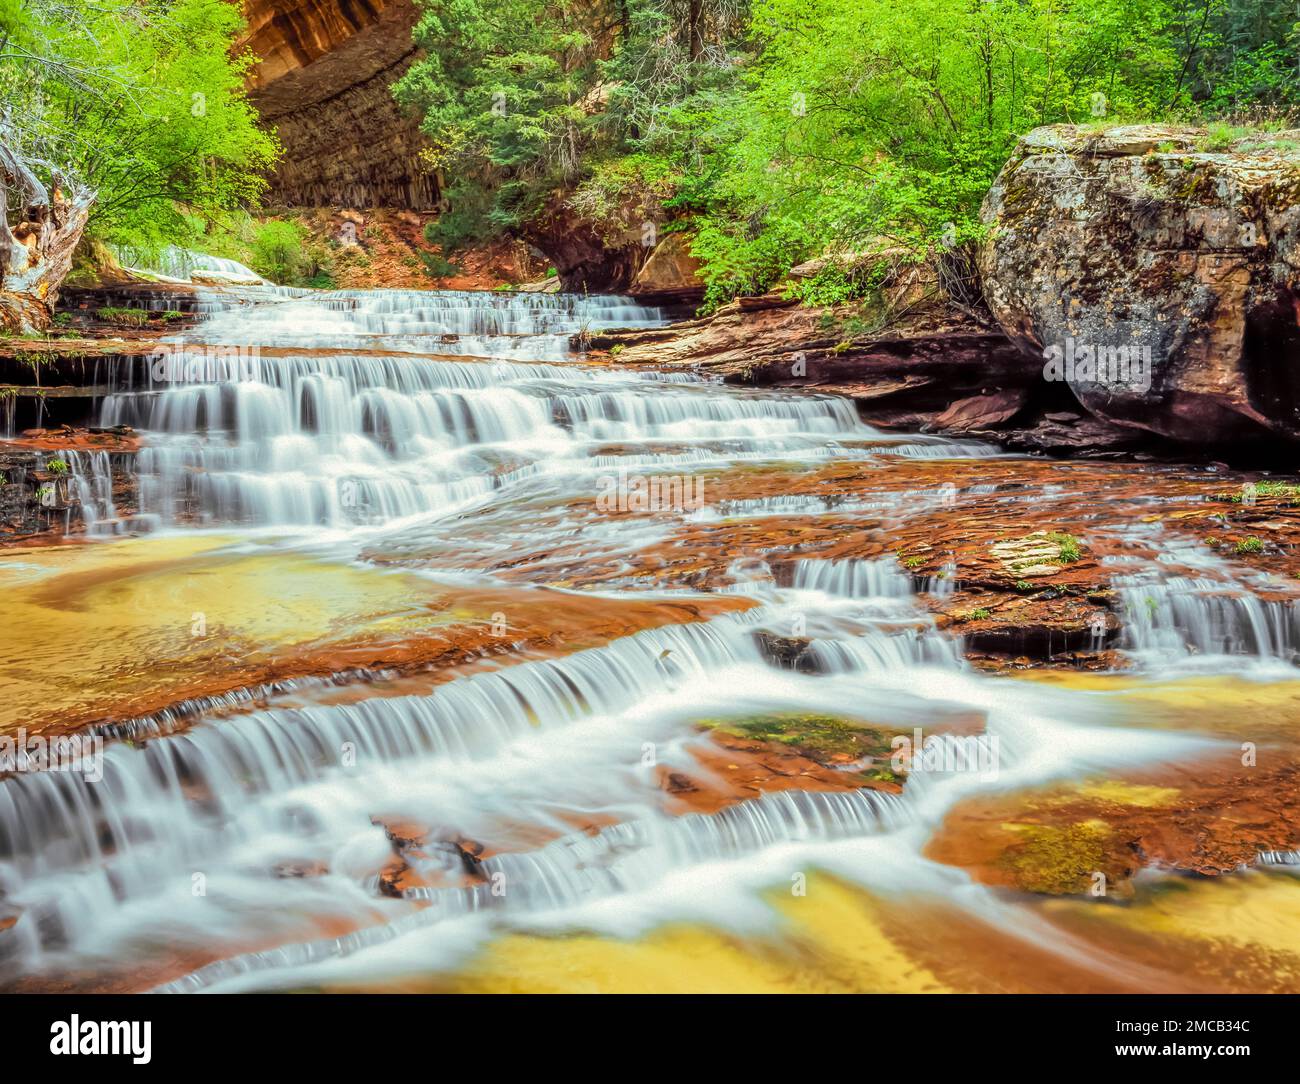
501 93
867 123
132 110
278 251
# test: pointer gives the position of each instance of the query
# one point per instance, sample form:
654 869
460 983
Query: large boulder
1157 271
671 274
589 257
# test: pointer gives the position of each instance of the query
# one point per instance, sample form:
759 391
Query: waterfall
240 432
526 327
178 264
92 484
73 847
854 578
284 828
1179 617
885 629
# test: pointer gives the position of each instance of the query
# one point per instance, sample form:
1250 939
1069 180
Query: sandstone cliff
323 83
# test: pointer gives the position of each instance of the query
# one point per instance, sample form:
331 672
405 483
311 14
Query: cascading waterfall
396 409
92 488
1169 618
90 859
179 264
339 438
890 631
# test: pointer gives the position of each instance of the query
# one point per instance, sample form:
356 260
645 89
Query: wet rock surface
572 694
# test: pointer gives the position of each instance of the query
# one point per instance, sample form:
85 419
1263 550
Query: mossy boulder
1156 270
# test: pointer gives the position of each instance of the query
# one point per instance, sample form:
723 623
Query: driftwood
36 250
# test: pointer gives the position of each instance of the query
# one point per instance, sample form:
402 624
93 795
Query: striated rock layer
323 83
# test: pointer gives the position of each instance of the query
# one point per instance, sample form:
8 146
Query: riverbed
455 659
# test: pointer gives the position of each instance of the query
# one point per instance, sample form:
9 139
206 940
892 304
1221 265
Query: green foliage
499 91
278 252
805 128
438 266
122 317
1071 549
140 101
865 122
1250 544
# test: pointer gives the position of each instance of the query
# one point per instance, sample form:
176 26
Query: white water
194 839
1192 608
179 264
240 435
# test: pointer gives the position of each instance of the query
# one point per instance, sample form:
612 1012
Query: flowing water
310 781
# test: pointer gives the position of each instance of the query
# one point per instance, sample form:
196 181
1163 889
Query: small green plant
1024 585
1286 492
1220 136
57 466
980 615
616 349
1250 544
122 317
172 314
914 562
438 266
1071 550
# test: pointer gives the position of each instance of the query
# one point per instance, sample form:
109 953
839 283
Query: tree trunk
695 29
36 252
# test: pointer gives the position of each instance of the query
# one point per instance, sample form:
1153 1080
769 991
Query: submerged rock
1157 273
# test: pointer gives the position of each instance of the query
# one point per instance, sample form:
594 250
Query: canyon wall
323 83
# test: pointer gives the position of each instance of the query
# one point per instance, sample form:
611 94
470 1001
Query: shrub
278 252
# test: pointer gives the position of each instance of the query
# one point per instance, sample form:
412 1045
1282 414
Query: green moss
123 317
1058 861
818 737
1199 186
1285 492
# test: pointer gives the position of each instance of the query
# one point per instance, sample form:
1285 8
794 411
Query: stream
453 659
